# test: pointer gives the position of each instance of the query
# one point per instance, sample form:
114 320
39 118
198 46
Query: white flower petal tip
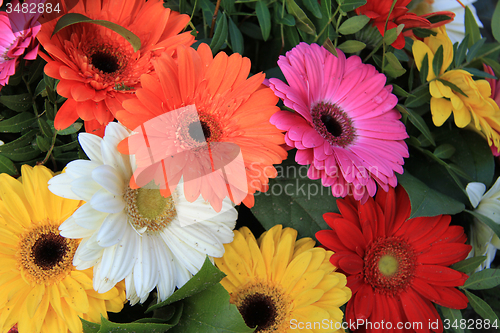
475 191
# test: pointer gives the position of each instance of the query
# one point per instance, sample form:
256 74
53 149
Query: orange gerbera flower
97 67
204 120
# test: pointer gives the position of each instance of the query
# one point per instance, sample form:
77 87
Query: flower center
46 256
389 265
197 129
333 124
264 306
148 210
105 62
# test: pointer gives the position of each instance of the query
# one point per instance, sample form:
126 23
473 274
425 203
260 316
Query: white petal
107 202
475 192
182 275
111 156
101 283
81 168
89 218
85 188
61 185
197 237
125 256
145 268
494 191
70 229
108 177
112 229
91 145
167 278
87 251
187 256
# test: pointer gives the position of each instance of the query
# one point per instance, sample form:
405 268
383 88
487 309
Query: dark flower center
333 124
258 310
389 265
196 134
105 62
49 250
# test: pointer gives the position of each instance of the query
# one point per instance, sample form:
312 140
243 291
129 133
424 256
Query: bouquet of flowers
249 166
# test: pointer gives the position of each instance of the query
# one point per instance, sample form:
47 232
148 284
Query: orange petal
93 127
82 92
66 115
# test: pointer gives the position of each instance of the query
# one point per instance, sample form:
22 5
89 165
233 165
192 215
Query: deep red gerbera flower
378 11
395 266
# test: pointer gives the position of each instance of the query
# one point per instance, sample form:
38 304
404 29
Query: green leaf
302 21
393 67
36 70
352 46
418 122
452 86
423 33
426 201
397 90
7 166
461 51
420 96
479 73
485 279
349 5
474 49
18 103
468 266
495 23
22 154
313 7
424 69
486 220
437 62
22 141
330 47
110 327
288 20
17 123
390 36
444 151
471 27
42 143
74 128
40 88
264 18
452 315
294 200
74 18
208 276
90 327
353 24
220 34
210 312
235 37
481 307
437 18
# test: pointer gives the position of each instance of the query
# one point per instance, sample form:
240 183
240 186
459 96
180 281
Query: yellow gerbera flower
283 285
40 290
471 103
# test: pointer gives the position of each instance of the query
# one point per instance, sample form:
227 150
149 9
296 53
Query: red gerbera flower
395 266
378 11
97 67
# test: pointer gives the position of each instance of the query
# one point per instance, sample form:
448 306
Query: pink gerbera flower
17 37
345 125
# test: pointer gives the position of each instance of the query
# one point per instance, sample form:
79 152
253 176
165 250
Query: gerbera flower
475 107
97 67
395 266
345 125
136 234
378 12
18 31
455 28
280 284
40 289
203 119
483 240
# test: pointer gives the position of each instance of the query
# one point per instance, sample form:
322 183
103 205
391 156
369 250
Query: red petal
66 115
81 92
350 236
363 302
439 275
419 310
351 264
425 289
330 240
451 298
444 254
330 217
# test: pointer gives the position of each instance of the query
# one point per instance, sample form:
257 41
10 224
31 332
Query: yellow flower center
388 265
44 256
264 306
148 210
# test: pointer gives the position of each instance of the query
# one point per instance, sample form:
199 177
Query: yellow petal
14 202
53 323
55 300
420 49
462 117
303 245
283 255
97 307
259 266
308 297
295 269
34 299
441 110
77 297
71 318
307 281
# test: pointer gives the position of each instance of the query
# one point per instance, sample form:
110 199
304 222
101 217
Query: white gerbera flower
456 28
136 234
483 240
